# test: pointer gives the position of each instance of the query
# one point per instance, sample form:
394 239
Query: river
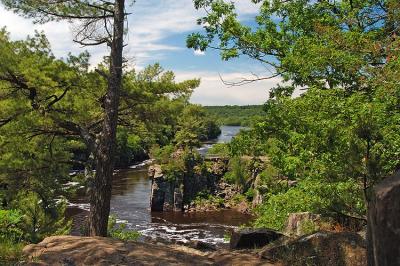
130 203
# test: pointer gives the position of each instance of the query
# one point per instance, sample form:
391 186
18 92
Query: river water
130 203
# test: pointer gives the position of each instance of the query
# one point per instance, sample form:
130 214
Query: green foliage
237 173
207 201
195 126
119 231
249 194
51 112
334 147
309 43
162 155
248 142
40 219
11 252
11 236
220 149
227 237
178 163
28 222
271 183
130 148
233 115
333 138
238 198
308 227
10 221
310 195
337 128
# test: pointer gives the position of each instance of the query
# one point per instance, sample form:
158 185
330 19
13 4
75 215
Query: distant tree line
236 115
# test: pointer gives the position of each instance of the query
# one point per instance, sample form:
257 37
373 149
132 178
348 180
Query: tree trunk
105 150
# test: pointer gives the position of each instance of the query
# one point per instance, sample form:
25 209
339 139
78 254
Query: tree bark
105 151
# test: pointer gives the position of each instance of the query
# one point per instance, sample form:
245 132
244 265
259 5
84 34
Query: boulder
384 223
252 238
296 221
321 248
202 246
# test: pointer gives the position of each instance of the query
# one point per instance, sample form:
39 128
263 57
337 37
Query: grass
11 253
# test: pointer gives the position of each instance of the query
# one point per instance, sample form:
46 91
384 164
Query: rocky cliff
175 194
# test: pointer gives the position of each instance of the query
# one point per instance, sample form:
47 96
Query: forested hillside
235 115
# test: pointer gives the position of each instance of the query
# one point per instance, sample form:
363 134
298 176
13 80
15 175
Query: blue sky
157 33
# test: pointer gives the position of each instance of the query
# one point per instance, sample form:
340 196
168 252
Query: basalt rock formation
173 194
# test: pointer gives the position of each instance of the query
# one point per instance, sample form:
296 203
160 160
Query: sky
157 34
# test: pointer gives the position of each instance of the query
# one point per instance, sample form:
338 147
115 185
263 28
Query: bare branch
245 81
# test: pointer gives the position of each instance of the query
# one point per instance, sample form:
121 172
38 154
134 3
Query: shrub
204 199
10 237
9 222
10 252
120 231
162 155
237 172
315 196
40 220
220 149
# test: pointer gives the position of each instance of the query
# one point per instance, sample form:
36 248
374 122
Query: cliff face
175 194
162 196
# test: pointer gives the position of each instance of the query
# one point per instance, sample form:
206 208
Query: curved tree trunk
106 146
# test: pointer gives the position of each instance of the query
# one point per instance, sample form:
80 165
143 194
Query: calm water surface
130 202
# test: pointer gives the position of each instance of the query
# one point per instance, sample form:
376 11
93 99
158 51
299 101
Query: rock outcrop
384 223
72 250
321 248
162 191
173 194
80 251
248 238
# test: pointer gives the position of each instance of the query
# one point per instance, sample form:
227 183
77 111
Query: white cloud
212 90
199 53
59 35
246 7
152 23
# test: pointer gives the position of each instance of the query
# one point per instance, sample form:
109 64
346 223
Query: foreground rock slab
71 250
76 251
248 238
321 248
